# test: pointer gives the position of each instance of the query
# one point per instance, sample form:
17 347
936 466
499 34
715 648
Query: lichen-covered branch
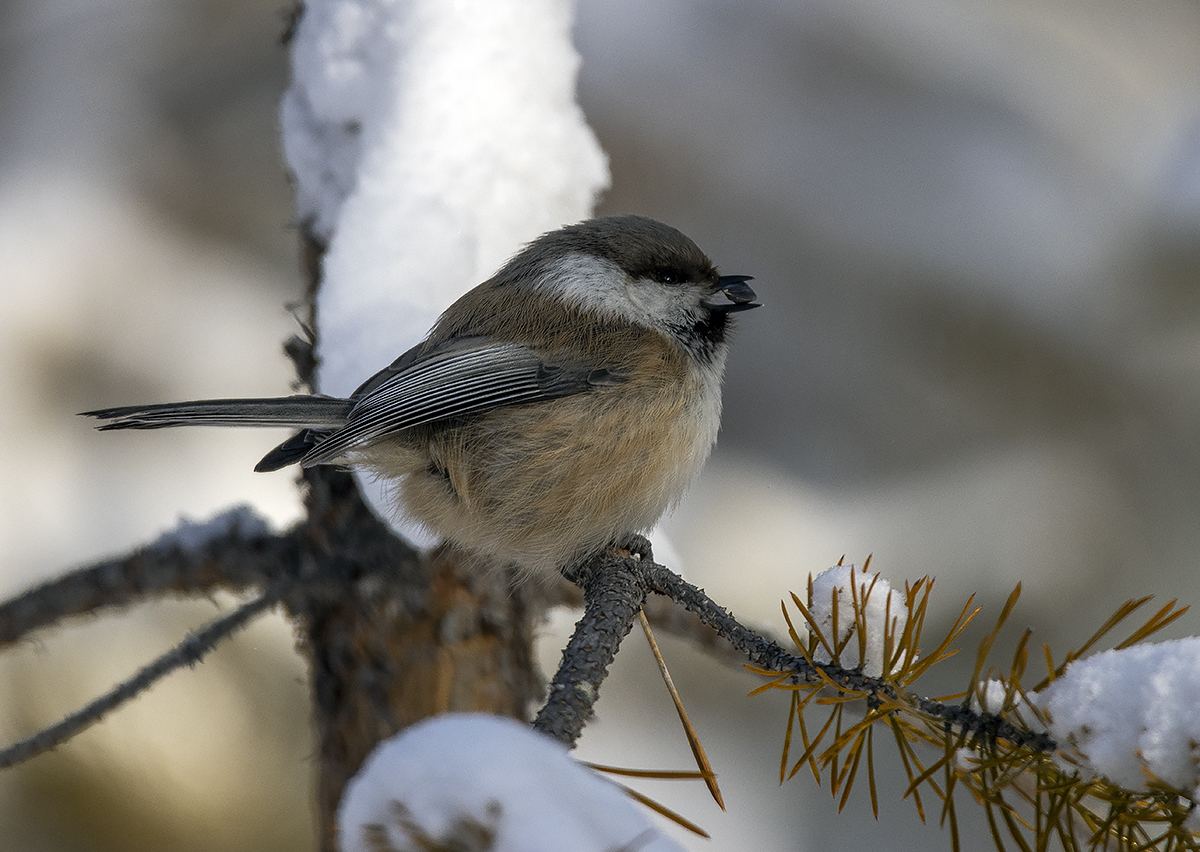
187 653
614 590
235 551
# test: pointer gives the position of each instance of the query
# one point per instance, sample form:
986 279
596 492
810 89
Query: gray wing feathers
456 383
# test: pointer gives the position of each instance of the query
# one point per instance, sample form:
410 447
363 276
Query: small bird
561 406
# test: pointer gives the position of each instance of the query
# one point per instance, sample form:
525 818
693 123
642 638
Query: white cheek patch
596 284
590 283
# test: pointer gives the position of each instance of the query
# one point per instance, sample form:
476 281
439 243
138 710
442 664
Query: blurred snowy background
976 228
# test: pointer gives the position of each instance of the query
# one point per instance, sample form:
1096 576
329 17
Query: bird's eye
667 276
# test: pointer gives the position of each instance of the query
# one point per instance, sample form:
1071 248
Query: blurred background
976 230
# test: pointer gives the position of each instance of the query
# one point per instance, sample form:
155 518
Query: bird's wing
459 377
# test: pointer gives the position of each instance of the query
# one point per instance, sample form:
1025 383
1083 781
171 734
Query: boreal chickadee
560 406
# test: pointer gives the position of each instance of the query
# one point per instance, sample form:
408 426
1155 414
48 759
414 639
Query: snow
1130 715
881 608
428 142
449 772
990 697
192 535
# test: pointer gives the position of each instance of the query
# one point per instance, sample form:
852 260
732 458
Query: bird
560 407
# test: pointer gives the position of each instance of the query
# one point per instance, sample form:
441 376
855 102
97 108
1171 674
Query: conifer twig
188 652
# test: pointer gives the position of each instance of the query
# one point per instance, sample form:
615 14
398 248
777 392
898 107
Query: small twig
761 651
242 555
188 652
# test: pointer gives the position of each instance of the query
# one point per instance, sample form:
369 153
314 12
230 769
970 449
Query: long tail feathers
306 411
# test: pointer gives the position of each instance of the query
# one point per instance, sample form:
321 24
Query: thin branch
188 652
234 551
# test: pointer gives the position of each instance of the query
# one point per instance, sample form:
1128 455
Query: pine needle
793 711
903 747
665 811
710 777
1155 623
871 771
813 627
942 651
985 646
811 746
668 774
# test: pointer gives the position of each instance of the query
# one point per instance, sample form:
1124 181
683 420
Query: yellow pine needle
845 698
889 635
907 643
952 815
1155 623
764 672
793 710
946 699
871 771
942 651
917 600
951 746
851 694
1124 611
1051 672
664 810
816 770
1016 826
836 625
903 747
669 774
808 658
928 773
859 608
850 773
851 735
791 627
830 756
811 746
1020 659
997 837
710 777
985 646
772 685
812 623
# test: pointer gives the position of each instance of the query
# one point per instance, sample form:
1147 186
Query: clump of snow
1130 715
428 141
475 773
990 696
193 535
882 612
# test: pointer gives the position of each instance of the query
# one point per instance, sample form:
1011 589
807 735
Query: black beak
738 292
